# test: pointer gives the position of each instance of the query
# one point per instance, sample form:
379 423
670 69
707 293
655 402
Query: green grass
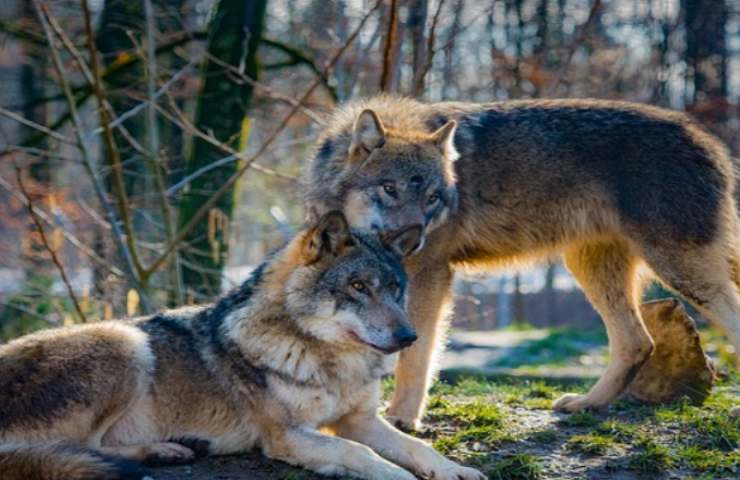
591 444
515 467
710 461
580 419
651 457
478 420
544 436
708 426
616 430
558 347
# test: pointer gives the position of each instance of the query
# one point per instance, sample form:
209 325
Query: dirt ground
252 466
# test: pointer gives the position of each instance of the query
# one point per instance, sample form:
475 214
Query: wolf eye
389 188
359 286
433 198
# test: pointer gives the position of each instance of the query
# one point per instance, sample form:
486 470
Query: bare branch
110 145
161 91
71 238
47 246
45 130
82 65
156 160
264 89
233 155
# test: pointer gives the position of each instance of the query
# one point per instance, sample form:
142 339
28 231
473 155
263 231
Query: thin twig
226 187
110 144
29 312
71 238
47 245
186 125
82 65
161 91
36 126
264 89
158 167
300 57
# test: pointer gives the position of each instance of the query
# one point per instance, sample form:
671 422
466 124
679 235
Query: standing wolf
610 185
300 346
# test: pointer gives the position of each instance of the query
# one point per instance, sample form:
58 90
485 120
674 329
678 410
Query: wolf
611 186
300 346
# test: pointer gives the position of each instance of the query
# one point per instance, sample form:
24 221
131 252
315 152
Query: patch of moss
515 467
708 426
710 461
486 435
651 457
616 430
478 420
591 444
580 419
478 413
544 436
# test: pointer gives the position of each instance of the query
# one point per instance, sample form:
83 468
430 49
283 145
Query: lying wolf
609 185
301 345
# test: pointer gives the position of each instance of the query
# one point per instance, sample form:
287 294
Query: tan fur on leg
329 455
430 298
606 271
369 429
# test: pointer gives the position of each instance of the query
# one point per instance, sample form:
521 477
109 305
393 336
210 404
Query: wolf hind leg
606 272
707 277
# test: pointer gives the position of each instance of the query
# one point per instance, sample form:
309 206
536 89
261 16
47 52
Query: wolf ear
443 139
368 133
403 242
330 235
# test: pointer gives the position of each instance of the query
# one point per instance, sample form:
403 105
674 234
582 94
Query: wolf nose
405 336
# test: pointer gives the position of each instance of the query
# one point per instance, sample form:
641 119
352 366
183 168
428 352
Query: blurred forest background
151 150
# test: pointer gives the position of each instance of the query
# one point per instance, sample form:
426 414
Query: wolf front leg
329 455
371 430
430 296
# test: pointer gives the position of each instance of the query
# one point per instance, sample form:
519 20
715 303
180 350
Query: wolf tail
63 461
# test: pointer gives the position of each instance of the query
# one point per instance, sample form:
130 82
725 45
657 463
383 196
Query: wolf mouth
385 350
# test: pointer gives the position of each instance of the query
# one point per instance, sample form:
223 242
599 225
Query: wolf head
348 288
389 178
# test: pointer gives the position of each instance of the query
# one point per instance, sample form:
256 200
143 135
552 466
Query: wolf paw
390 472
571 403
455 472
405 424
168 453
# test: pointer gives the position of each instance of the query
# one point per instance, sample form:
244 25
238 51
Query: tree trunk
417 19
235 31
706 48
